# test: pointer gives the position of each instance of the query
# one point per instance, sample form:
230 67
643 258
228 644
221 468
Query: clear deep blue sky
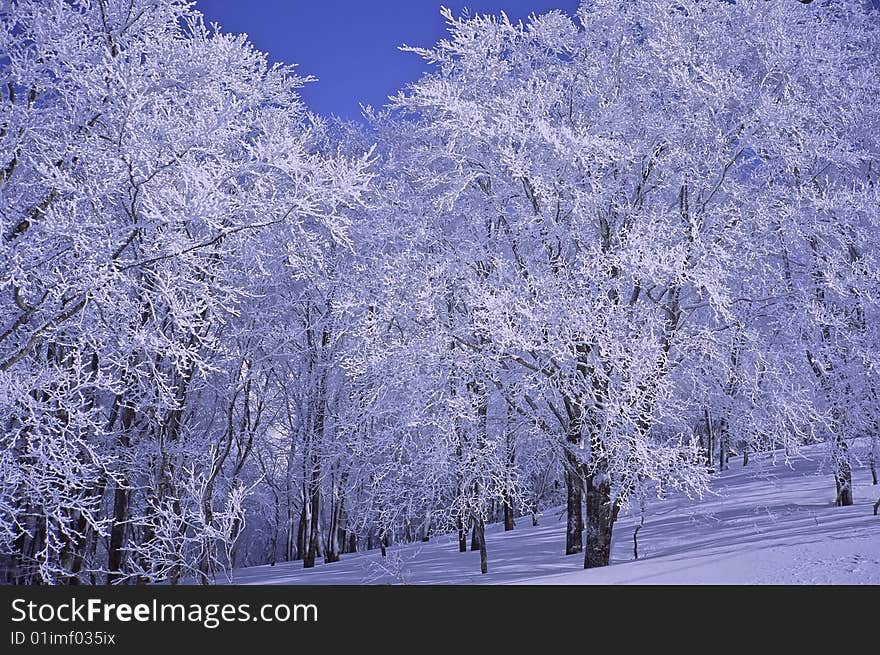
351 45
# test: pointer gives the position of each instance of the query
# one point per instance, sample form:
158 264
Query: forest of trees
583 261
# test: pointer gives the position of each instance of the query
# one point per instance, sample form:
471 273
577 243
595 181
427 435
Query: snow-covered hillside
767 523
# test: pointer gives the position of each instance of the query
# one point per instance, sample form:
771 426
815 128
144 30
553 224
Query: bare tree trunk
384 541
121 496
81 547
462 535
276 524
510 461
723 446
426 527
475 534
314 524
117 534
480 532
636 537
72 551
28 545
842 472
574 525
509 520
601 515
331 553
316 441
302 544
710 442
314 502
872 460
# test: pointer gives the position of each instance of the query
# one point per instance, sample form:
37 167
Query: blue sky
351 45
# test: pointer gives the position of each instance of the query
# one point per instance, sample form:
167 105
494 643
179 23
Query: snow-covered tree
606 184
154 169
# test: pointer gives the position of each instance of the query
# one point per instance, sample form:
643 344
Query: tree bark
302 544
872 460
723 446
475 535
117 534
574 525
510 461
842 472
384 541
276 520
509 520
426 528
334 539
480 531
601 515
314 526
710 445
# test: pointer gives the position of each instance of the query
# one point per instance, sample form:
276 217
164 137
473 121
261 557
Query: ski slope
767 523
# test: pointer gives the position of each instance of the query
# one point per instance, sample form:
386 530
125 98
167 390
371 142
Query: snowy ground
767 523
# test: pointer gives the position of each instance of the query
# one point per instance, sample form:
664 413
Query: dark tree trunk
426 528
509 520
710 434
476 539
314 527
314 541
28 545
335 534
723 446
332 550
384 542
480 529
273 543
314 449
237 525
872 461
574 525
78 548
842 473
745 455
601 516
82 551
302 544
121 496
117 534
352 545
723 453
636 539
510 461
462 535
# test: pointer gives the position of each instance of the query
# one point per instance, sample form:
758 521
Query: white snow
767 523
